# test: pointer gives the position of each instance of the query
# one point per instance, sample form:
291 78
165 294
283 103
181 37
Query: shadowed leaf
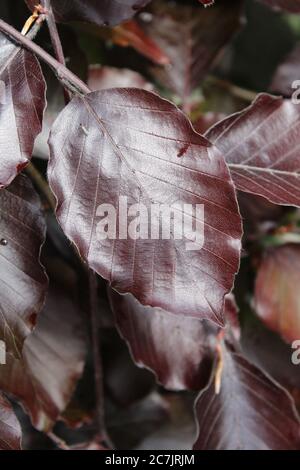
23 282
178 349
53 360
191 38
101 12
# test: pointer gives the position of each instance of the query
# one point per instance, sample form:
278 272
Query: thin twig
97 359
68 78
55 39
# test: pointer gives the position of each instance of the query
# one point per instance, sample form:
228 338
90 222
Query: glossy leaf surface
131 143
22 104
260 145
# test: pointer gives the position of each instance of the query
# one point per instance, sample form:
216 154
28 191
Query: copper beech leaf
292 6
251 411
22 104
179 350
132 34
53 360
101 12
276 299
10 429
261 147
191 38
131 143
23 282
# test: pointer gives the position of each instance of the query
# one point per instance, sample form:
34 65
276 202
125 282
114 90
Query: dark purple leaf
101 12
178 349
260 145
191 38
10 429
23 281
131 143
251 411
22 104
53 360
276 299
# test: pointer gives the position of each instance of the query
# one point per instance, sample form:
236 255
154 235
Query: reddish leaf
178 350
53 360
10 429
104 12
101 78
251 412
23 281
22 104
131 142
292 6
131 34
191 39
276 299
260 145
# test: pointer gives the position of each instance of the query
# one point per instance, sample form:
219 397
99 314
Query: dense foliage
136 342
